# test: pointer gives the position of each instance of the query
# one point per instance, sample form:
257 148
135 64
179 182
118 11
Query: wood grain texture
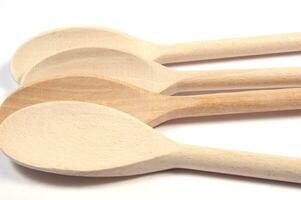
230 48
151 108
154 77
68 38
84 139
108 63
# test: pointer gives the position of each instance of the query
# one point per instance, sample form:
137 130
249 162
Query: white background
164 22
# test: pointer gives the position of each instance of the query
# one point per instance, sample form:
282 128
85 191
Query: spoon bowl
83 139
68 141
67 38
107 63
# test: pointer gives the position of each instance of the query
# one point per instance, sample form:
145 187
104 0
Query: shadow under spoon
54 41
149 107
155 77
84 139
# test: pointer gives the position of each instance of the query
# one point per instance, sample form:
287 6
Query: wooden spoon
84 139
151 108
155 77
39 47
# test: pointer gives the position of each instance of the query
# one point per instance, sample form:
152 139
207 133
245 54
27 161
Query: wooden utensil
155 77
84 139
151 108
38 47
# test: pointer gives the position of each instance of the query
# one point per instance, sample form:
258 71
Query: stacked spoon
85 100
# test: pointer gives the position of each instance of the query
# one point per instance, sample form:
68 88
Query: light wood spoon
155 77
84 139
151 108
53 41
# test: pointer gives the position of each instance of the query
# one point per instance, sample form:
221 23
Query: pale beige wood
246 79
154 77
151 108
230 48
84 139
37 48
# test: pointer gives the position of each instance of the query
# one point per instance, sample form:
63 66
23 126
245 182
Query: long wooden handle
240 79
240 163
229 48
236 102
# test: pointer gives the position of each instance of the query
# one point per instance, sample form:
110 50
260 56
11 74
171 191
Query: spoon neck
176 53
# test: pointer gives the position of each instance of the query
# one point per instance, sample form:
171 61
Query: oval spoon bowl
73 37
94 142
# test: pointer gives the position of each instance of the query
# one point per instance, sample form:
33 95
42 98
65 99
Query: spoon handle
235 102
230 48
240 163
240 79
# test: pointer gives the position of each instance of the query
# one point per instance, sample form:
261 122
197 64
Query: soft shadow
68 181
236 117
222 60
6 80
6 169
234 178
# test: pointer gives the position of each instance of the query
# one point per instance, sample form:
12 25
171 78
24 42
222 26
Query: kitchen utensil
155 77
53 41
84 139
149 107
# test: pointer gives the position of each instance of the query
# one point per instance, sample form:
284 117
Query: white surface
165 22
